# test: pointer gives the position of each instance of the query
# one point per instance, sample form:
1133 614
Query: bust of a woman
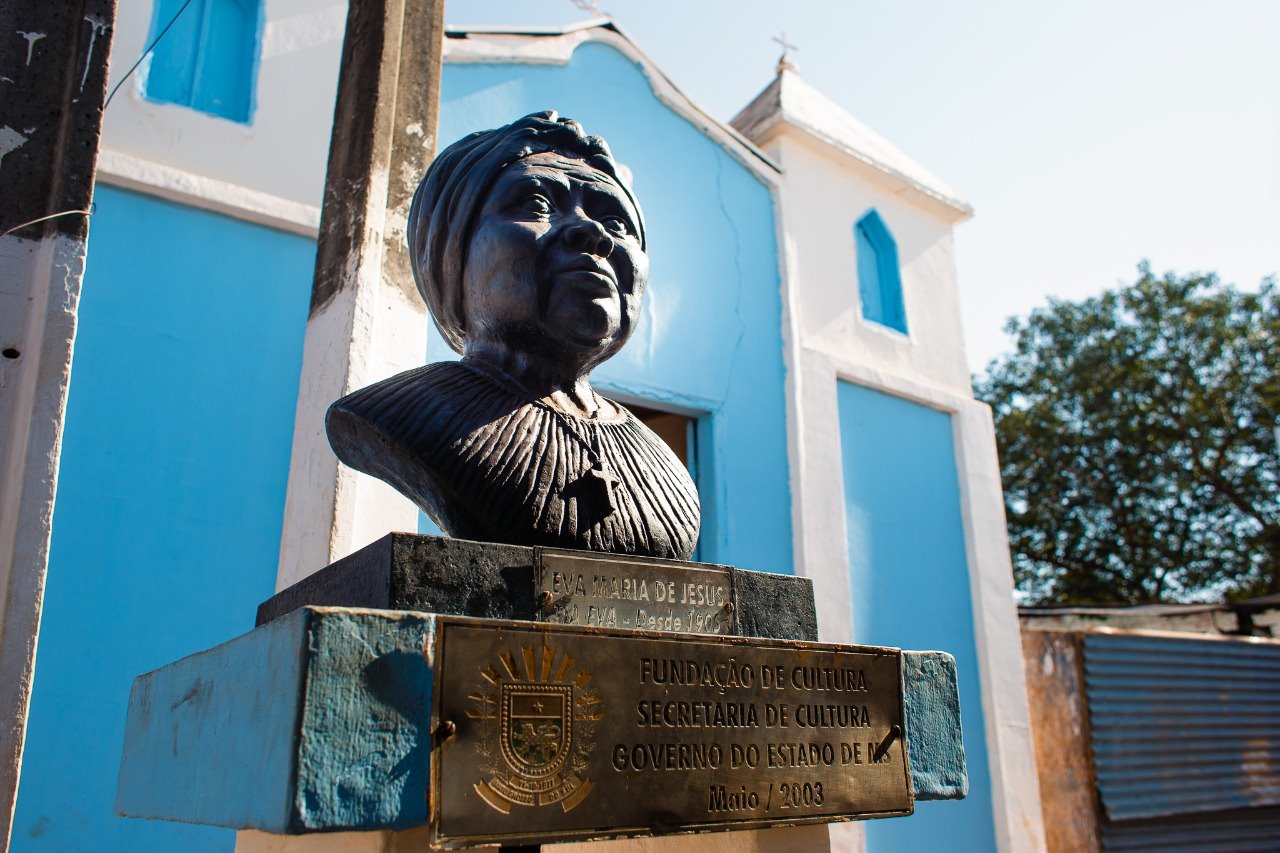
529 250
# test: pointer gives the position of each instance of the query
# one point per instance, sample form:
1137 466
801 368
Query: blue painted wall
910 582
710 340
170 499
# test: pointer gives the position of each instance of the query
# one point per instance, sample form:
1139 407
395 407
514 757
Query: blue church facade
189 369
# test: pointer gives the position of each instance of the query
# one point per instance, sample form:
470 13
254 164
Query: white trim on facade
178 185
826 182
1014 781
791 101
557 47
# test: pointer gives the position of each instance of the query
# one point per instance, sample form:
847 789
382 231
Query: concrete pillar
53 74
367 321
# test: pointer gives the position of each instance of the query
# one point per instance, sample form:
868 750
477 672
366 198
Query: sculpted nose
587 235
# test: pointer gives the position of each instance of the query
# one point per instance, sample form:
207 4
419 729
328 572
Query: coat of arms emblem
536 715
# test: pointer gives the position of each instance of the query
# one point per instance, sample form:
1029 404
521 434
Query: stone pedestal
409 571
328 716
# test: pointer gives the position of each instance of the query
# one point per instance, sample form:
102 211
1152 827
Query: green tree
1138 443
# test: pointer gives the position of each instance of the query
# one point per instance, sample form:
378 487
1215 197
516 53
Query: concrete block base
321 721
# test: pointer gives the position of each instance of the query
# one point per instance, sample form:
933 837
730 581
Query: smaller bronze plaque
615 592
553 733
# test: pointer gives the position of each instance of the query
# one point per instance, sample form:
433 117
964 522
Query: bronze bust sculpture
529 250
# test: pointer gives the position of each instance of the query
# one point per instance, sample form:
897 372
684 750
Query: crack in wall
739 275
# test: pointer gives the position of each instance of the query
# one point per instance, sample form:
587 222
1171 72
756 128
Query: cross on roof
784 61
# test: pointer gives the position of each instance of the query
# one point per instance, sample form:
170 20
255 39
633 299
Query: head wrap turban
450 197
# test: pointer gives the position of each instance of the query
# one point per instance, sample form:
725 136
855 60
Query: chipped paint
98 26
931 700
255 312
10 140
31 38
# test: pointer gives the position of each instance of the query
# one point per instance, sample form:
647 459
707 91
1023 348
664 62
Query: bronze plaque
616 592
552 733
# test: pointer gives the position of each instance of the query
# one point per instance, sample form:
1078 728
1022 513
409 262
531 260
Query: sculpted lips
596 279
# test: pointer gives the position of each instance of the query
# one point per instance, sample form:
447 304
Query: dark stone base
409 571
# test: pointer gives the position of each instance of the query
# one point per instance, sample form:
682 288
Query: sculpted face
554 268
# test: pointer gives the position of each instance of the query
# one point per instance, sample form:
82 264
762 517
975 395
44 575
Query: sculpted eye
616 225
536 203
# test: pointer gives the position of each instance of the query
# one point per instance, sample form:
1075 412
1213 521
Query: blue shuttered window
208 60
879 281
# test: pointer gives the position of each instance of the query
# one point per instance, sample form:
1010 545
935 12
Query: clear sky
1086 135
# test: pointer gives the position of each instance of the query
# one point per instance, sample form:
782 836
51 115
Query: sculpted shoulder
396 409
397 428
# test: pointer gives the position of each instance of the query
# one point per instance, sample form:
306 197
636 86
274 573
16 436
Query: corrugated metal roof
1183 724
1217 832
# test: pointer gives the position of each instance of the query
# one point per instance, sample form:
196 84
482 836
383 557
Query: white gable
790 100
